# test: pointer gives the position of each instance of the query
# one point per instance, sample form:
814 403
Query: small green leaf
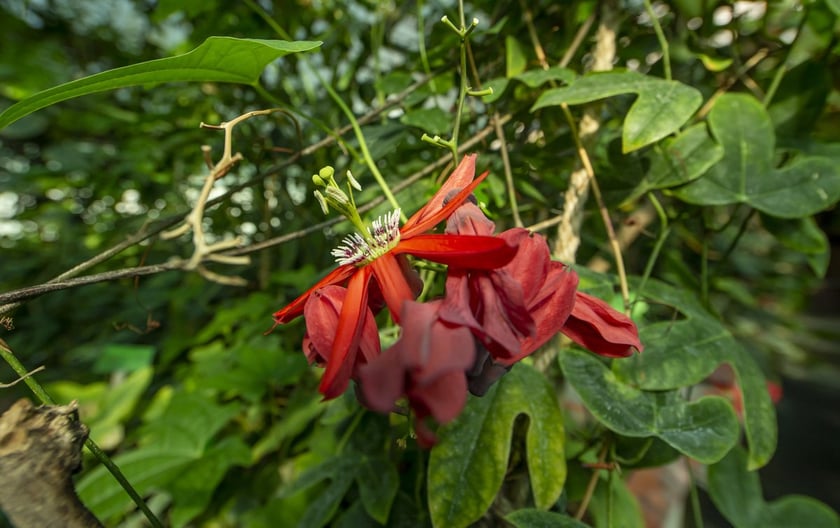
802 235
217 59
746 173
737 494
123 357
530 518
536 78
431 120
467 467
704 429
661 108
680 160
378 481
196 483
515 61
714 64
614 505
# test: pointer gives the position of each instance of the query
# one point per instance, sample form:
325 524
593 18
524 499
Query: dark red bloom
427 365
515 309
377 257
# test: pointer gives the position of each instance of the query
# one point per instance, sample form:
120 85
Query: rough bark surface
40 449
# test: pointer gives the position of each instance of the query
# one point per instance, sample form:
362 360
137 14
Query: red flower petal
415 226
322 313
462 176
392 283
296 307
460 251
342 356
595 325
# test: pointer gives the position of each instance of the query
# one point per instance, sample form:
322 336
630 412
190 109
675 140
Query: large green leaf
737 494
683 352
746 173
467 467
661 108
217 59
705 429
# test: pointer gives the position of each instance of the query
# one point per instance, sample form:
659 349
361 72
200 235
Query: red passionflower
376 257
427 365
515 309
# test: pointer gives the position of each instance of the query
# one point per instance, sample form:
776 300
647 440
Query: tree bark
40 449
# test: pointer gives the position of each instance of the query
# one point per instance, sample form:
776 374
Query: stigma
381 237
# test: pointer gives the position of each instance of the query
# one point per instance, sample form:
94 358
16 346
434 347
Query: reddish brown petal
552 311
469 220
596 326
462 176
342 356
460 251
296 307
382 381
531 264
443 399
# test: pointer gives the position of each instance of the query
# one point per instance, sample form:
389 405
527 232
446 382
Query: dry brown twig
202 251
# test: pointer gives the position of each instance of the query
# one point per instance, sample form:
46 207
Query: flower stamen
382 236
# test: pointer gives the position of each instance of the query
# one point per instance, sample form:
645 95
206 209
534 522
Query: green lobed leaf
217 59
684 352
661 108
737 493
467 467
705 429
746 173
531 518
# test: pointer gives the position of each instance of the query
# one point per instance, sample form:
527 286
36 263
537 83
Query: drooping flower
376 255
427 365
516 308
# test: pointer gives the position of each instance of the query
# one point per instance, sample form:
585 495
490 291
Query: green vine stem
97 451
660 36
463 33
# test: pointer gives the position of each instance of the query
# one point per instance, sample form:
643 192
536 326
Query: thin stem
696 511
97 452
704 270
421 42
732 245
664 232
360 137
593 482
783 68
602 208
660 36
